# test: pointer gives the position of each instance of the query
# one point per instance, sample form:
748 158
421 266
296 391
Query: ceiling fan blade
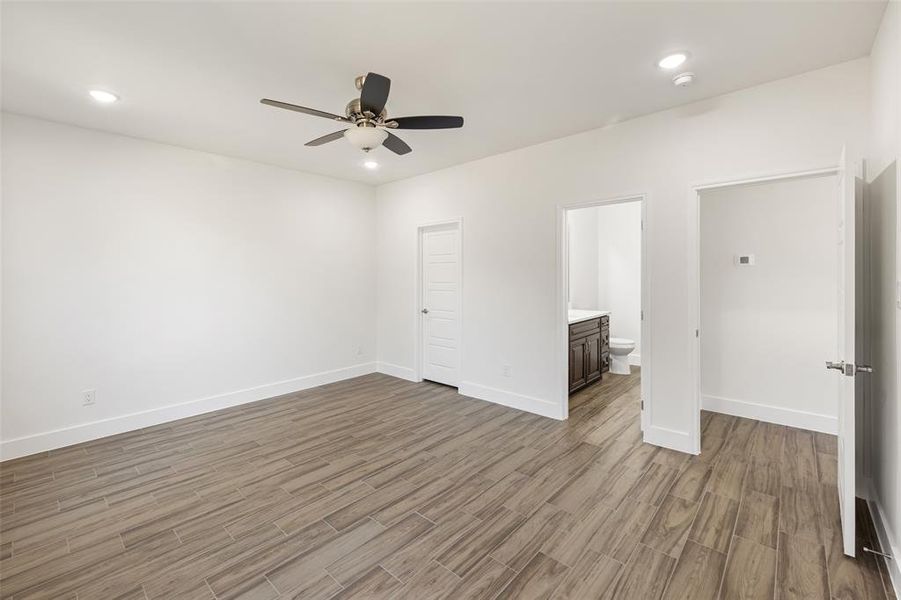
396 145
326 139
304 110
431 122
374 94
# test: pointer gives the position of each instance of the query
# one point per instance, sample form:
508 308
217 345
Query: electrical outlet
507 370
88 397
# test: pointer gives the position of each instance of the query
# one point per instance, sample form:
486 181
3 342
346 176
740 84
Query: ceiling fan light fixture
366 138
367 118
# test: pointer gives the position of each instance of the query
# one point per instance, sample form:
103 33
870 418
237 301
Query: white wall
619 278
766 329
160 276
584 258
883 211
509 201
605 265
885 92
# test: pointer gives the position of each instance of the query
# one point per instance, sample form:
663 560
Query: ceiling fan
369 119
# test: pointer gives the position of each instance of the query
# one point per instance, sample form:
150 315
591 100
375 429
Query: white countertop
579 315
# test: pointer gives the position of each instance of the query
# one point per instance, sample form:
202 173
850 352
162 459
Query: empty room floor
380 488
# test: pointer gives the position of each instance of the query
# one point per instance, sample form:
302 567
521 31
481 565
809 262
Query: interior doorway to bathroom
603 318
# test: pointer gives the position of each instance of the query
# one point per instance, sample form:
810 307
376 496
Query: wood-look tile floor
380 488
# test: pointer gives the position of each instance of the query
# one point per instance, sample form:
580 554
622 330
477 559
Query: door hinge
642 315
642 404
697 333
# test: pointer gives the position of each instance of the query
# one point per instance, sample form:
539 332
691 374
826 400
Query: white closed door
440 310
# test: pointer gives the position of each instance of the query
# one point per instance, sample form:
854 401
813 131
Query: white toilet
620 349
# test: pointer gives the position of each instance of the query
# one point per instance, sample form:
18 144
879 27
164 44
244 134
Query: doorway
440 302
602 301
774 269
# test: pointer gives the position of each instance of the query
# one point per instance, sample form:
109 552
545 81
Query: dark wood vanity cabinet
589 351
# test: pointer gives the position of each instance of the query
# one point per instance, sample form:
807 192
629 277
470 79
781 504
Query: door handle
845 368
425 311
848 369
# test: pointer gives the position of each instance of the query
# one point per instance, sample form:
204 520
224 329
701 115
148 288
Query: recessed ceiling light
683 79
103 96
672 61
371 165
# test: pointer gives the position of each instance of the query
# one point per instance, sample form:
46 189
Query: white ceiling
191 74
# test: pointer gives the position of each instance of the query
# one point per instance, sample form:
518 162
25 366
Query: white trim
545 408
887 541
417 302
397 371
694 273
669 438
49 440
635 359
750 180
562 303
771 414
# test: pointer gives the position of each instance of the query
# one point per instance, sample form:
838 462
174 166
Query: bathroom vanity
589 347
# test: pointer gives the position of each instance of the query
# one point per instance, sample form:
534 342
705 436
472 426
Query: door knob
425 311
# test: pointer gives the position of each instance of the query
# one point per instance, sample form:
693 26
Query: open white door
845 364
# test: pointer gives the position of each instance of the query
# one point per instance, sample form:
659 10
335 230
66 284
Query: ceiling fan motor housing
354 111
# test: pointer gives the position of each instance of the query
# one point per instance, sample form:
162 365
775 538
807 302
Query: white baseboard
537 406
669 438
635 359
76 434
771 414
887 540
396 371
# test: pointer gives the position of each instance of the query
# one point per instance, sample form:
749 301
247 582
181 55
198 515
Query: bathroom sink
577 315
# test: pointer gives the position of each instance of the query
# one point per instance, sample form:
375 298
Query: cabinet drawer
584 328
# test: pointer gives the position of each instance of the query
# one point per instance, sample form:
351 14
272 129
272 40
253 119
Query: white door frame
419 353
694 275
562 320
